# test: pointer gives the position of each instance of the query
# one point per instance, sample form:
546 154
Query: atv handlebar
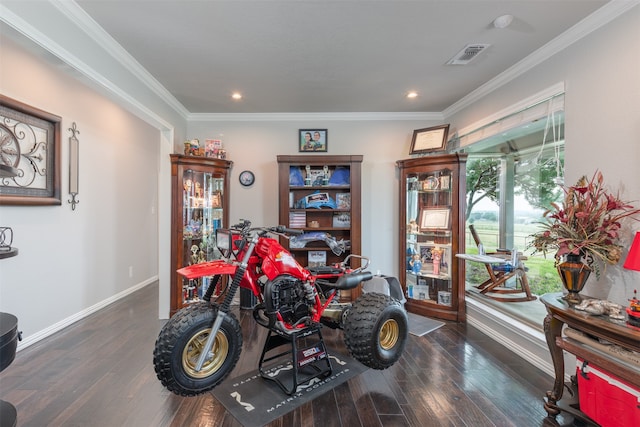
244 226
285 230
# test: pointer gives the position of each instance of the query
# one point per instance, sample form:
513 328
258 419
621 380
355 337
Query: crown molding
597 19
85 23
90 27
39 38
292 117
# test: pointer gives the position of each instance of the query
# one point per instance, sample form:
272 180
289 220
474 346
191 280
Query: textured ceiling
310 56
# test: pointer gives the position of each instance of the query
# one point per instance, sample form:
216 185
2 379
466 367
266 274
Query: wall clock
247 178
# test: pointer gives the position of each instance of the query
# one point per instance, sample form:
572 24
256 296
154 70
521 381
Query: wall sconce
74 160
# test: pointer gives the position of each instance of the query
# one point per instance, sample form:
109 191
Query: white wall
602 100
70 261
255 145
602 129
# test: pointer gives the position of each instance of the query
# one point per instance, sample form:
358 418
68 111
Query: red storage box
608 400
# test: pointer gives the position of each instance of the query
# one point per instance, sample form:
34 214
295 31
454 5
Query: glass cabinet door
199 206
431 233
428 257
202 214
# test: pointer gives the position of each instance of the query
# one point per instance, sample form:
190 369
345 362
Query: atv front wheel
376 330
180 344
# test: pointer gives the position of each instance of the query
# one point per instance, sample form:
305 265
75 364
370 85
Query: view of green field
541 272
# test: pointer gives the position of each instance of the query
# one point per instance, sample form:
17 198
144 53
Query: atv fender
211 268
386 285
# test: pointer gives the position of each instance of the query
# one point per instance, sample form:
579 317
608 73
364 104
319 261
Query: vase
574 274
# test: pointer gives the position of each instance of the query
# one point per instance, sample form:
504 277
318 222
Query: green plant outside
541 272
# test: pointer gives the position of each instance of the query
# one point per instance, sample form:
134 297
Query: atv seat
351 280
325 269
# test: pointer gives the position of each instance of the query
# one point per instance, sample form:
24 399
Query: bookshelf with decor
432 232
321 194
199 206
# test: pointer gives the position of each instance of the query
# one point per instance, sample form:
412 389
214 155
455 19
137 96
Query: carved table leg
552 330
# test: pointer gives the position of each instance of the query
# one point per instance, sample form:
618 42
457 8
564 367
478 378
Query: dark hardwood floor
99 372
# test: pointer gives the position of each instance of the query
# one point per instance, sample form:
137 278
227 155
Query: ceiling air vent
466 55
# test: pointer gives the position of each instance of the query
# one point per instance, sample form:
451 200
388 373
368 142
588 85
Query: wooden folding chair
499 273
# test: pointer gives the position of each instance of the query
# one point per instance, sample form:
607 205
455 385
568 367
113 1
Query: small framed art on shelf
317 258
434 218
343 201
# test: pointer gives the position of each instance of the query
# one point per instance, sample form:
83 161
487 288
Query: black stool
9 337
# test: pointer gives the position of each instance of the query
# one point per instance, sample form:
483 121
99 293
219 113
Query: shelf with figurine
200 195
211 148
429 289
320 195
431 231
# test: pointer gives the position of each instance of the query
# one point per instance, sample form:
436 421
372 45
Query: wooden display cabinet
199 206
322 194
432 232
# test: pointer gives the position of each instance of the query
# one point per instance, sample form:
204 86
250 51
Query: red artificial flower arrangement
586 224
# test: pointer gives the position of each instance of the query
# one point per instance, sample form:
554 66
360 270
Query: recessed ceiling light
503 21
236 95
412 94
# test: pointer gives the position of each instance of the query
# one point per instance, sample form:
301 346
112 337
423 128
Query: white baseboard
40 335
526 341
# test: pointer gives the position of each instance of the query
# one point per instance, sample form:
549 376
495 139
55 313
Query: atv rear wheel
376 330
180 344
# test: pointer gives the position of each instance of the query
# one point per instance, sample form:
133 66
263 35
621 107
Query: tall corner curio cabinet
199 206
322 194
432 232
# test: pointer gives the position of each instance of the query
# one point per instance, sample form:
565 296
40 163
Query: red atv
200 345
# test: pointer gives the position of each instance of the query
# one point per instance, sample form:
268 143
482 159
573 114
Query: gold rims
193 349
389 334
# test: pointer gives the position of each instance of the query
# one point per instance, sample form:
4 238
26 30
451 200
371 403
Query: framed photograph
343 201
313 140
212 147
444 298
317 198
31 152
315 177
316 258
425 253
216 200
431 218
341 220
429 139
445 182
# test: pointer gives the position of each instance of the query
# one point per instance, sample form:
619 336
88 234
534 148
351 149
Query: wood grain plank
98 372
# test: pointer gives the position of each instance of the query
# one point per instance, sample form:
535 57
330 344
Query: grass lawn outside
541 272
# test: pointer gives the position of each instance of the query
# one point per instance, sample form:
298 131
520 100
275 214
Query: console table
560 313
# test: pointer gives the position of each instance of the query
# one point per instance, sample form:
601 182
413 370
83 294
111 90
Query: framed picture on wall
30 155
429 139
312 140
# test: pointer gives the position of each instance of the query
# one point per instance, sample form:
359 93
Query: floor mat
254 401
419 325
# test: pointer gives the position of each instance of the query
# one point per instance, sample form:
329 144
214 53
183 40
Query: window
512 177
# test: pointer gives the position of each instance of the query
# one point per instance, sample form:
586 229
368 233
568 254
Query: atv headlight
223 241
